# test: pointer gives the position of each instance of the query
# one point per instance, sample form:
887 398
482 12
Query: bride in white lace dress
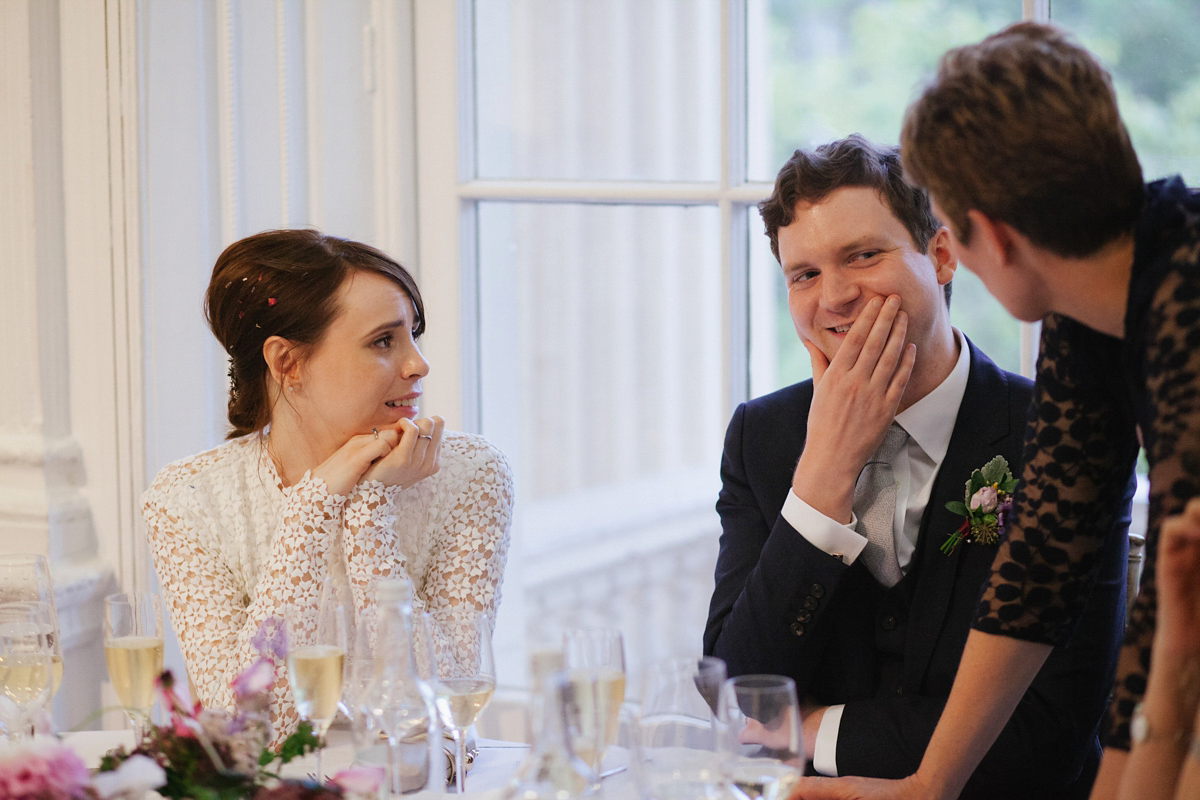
328 473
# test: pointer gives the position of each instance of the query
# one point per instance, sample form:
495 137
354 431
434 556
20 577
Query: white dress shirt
929 423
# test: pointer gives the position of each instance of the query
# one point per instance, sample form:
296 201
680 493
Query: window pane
777 358
824 69
599 90
601 336
836 67
1153 50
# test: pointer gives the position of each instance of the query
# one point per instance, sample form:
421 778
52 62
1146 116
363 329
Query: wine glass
133 650
466 677
25 577
679 744
762 757
595 659
25 664
316 660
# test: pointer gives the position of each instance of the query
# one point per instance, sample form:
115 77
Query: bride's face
366 371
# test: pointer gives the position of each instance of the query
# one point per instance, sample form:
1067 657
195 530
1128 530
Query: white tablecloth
495 764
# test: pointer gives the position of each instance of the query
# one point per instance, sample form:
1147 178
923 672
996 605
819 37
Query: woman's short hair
1024 127
283 283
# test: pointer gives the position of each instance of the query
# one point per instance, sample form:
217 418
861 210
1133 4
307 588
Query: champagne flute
762 757
595 659
25 664
466 677
316 661
25 577
133 650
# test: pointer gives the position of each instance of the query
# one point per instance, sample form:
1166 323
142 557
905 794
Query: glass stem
320 772
460 763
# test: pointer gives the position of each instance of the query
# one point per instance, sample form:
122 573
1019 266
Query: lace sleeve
1079 451
214 619
1172 442
470 530
370 541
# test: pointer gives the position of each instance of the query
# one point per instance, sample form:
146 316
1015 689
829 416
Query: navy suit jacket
783 606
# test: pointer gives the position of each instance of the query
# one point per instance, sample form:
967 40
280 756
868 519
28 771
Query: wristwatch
1141 732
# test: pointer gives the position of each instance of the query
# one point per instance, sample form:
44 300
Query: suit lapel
982 423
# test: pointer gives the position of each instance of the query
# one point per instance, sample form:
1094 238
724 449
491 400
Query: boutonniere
986 506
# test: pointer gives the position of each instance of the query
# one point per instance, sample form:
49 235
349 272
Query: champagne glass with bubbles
25 665
595 661
133 650
466 676
316 660
25 578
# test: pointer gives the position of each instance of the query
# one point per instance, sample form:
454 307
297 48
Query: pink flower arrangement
42 770
221 754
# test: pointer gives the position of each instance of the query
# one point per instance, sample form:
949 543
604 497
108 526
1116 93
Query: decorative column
53 357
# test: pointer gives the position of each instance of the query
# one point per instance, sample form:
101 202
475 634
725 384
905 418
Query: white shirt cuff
825 749
826 534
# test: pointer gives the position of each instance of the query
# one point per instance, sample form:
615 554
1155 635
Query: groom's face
840 252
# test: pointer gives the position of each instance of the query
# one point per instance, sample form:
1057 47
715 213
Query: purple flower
271 638
985 500
255 679
1002 514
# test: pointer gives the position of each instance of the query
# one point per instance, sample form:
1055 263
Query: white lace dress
233 547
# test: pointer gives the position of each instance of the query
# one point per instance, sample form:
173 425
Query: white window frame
449 194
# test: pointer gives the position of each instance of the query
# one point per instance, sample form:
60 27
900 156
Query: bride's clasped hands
399 456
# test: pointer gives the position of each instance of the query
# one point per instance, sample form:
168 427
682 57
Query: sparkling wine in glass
25 578
316 661
466 676
595 660
133 650
25 665
762 756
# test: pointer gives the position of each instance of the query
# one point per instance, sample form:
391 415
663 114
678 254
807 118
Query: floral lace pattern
1082 441
233 547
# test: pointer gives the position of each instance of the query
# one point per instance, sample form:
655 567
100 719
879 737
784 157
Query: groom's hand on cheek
855 397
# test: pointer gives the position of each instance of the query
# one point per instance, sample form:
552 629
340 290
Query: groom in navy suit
833 506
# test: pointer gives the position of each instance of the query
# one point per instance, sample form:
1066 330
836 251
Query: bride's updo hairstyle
283 283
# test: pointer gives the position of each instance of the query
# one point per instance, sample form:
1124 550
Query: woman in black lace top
1019 141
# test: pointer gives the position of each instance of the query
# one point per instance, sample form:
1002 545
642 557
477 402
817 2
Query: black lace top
1092 396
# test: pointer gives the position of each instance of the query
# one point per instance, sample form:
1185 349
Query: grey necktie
875 507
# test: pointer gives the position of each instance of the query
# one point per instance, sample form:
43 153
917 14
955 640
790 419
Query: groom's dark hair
810 176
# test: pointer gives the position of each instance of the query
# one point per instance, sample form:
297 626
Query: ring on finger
424 436
376 432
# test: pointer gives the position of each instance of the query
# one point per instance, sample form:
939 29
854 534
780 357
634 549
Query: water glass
678 730
761 753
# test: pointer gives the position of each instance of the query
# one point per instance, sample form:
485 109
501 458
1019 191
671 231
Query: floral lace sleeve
1172 440
473 515
214 619
466 529
371 544
1079 450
